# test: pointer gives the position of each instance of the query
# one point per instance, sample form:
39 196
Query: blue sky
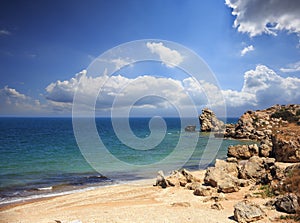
251 46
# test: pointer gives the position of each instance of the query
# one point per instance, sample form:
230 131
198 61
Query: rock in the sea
190 128
287 203
242 151
209 121
245 211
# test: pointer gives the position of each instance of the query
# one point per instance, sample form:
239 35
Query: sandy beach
137 201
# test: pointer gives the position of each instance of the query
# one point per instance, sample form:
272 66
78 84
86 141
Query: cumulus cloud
156 92
13 102
168 56
268 16
262 88
247 49
4 32
295 67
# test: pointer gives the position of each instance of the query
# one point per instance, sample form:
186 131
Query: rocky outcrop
209 122
245 211
261 124
286 146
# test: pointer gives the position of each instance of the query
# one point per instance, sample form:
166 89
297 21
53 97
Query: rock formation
209 121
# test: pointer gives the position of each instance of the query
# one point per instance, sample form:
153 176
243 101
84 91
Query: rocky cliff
276 129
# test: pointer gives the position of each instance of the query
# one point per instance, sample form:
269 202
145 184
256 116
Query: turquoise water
40 156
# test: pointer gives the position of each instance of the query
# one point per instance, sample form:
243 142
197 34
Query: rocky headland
269 168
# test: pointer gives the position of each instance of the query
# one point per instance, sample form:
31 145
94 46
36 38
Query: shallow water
40 156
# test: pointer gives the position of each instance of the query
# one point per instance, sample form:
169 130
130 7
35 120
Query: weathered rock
160 180
209 121
223 176
190 128
286 147
180 178
245 211
265 148
176 179
287 203
228 167
193 186
261 124
253 168
204 191
242 151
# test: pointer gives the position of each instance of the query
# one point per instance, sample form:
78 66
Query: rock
242 151
181 204
261 124
217 206
190 128
228 167
193 186
287 203
209 121
286 147
204 191
160 180
181 178
176 179
221 178
253 168
245 211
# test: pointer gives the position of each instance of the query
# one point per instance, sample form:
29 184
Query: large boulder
223 176
242 151
209 121
287 203
245 211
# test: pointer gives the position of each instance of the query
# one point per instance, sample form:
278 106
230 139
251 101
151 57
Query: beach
137 201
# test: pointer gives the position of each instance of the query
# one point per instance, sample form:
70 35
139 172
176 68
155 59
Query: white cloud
247 49
13 103
265 16
124 89
120 62
4 32
295 67
263 88
168 56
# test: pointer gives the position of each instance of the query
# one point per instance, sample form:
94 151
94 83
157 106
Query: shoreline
135 201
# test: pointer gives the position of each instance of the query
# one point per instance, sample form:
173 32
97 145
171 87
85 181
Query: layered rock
209 121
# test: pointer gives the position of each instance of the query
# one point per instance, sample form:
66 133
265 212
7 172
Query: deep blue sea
40 156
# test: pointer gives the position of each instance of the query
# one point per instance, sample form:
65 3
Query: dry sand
133 202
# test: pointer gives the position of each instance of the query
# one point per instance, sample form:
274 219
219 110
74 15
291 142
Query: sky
46 47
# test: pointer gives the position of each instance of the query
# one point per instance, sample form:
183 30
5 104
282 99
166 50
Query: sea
40 157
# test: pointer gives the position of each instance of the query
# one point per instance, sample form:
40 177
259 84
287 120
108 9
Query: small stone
217 206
